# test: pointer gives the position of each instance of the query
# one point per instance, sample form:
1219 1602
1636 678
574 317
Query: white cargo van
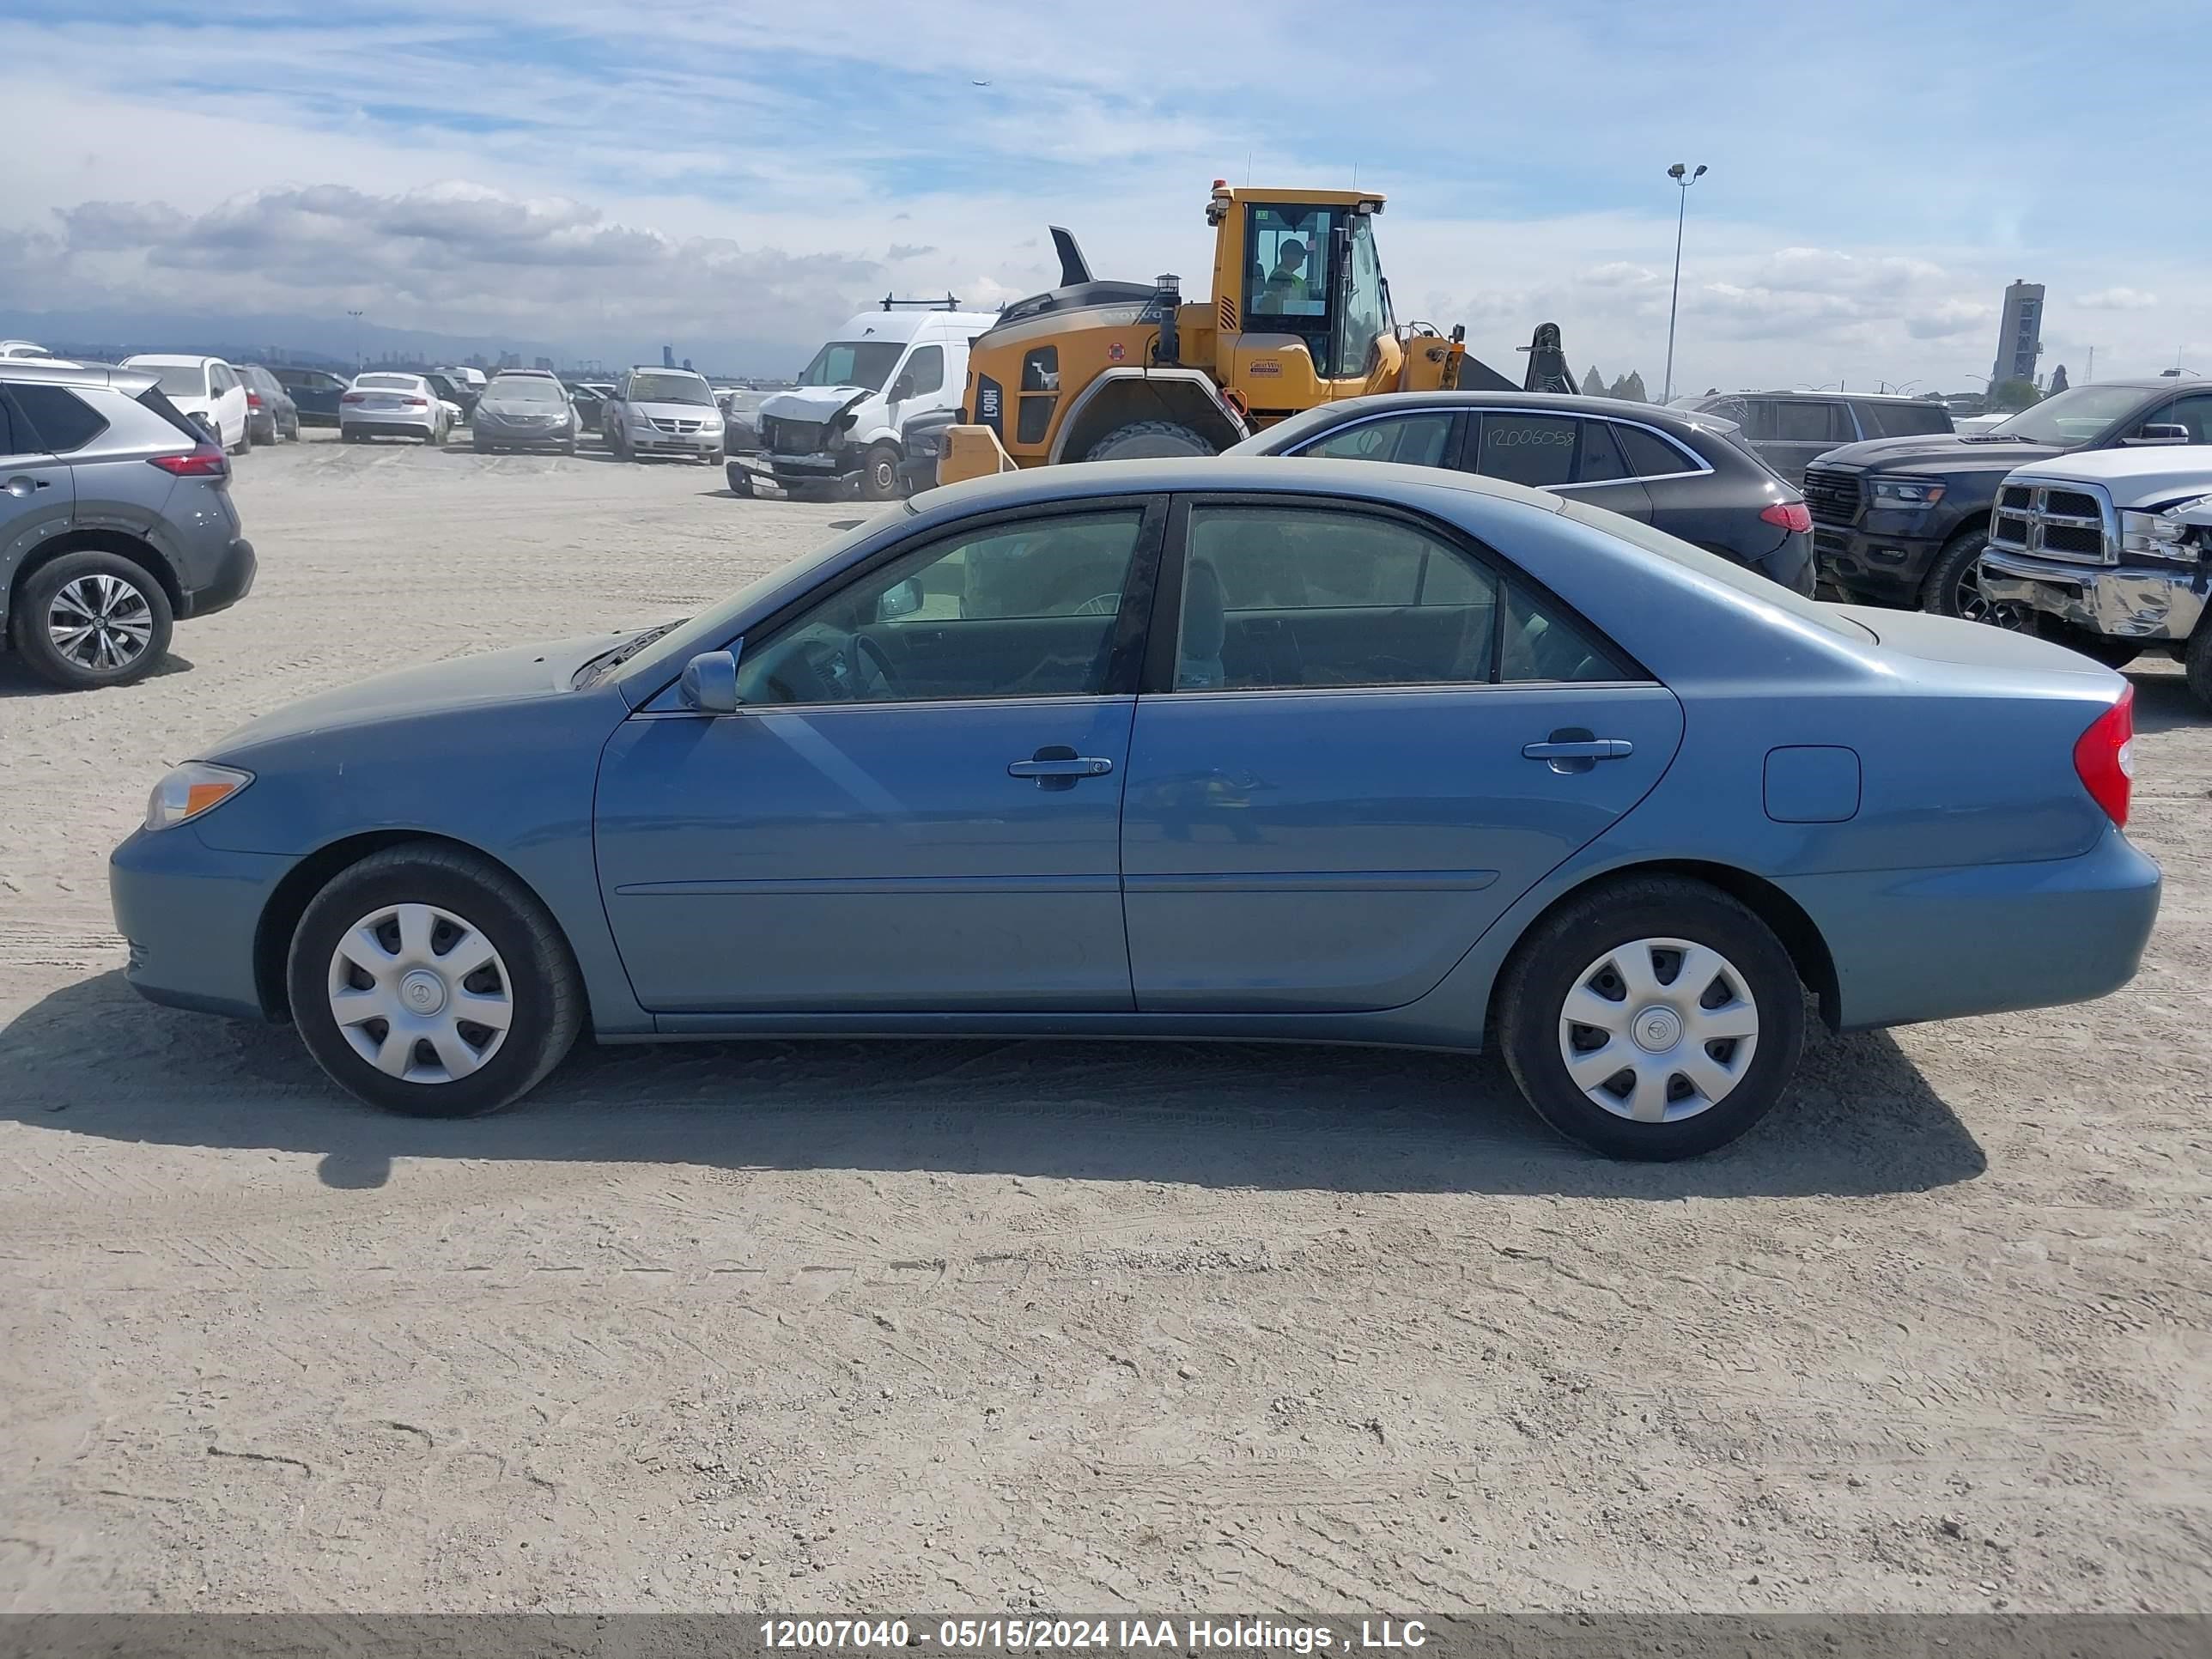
844 422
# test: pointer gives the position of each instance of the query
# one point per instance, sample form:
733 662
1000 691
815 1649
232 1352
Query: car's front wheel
427 981
1652 1018
1954 587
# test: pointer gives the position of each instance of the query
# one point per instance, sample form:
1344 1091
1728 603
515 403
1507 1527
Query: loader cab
1303 271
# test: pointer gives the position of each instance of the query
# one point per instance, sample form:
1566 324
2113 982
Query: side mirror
902 600
710 682
2159 432
901 389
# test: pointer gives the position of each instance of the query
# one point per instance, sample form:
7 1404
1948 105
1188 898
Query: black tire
1546 967
1950 590
481 444
2098 647
569 448
544 988
245 440
34 602
434 437
879 479
741 480
1147 441
2197 663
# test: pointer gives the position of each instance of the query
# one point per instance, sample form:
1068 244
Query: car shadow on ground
2164 702
17 681
92 1059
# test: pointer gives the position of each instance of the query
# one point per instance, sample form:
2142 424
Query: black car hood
1949 452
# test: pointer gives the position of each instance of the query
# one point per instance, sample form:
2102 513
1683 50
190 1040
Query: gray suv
116 521
1787 429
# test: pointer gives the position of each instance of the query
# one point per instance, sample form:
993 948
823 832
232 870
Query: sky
736 178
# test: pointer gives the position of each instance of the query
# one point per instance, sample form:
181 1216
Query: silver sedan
390 405
525 411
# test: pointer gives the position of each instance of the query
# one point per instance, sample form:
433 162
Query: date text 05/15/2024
1050 1634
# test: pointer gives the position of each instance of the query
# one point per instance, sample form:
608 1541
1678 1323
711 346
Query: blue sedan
1317 751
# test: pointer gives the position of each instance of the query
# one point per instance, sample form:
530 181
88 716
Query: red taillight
1789 515
254 400
354 398
417 402
205 462
2105 756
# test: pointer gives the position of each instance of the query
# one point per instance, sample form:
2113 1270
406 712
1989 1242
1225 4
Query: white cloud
2119 299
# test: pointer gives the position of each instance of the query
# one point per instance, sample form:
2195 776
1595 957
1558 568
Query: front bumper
708 440
1873 561
490 430
232 580
2124 602
823 467
190 914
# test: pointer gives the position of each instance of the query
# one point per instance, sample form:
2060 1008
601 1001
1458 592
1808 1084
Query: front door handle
1061 766
1597 749
23 484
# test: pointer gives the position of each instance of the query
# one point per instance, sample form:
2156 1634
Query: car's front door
38 491
917 806
1360 741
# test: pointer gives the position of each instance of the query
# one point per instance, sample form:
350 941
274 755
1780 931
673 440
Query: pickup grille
1832 493
2055 522
793 437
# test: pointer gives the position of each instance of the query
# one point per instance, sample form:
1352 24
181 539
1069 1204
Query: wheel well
1808 951
280 917
98 540
1183 401
1972 524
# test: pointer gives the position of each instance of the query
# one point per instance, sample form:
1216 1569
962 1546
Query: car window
1024 609
1540 643
1799 422
152 398
1411 439
63 421
1914 419
1600 459
8 445
2195 413
1278 597
1536 450
1754 415
926 369
178 379
1650 455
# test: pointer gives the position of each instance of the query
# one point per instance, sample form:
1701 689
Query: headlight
189 790
1906 494
2155 536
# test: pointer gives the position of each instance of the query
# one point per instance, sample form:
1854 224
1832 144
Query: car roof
1679 422
1218 475
1855 397
170 361
663 369
904 325
128 380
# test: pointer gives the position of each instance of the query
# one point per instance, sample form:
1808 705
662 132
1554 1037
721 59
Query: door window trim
1162 634
1138 602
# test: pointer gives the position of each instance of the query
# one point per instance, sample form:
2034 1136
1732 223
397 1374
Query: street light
1681 207
1894 387
356 315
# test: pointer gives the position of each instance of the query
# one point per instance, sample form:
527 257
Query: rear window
178 379
390 382
63 421
1904 420
1719 569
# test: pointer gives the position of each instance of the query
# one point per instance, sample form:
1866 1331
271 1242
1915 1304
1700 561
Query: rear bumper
1919 945
189 915
1873 563
232 580
2127 602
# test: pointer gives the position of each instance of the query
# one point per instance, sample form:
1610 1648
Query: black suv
1686 473
1789 429
1902 521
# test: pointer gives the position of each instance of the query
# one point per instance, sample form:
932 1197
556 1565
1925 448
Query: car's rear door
1568 454
917 806
1361 740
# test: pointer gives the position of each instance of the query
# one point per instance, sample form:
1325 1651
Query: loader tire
1150 440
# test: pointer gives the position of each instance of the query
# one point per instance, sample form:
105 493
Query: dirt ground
957 1326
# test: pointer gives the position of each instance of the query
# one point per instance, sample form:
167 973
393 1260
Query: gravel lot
933 1325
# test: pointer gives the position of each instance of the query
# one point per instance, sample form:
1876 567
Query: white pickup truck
2114 546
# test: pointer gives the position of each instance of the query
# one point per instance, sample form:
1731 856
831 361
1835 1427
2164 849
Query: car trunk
1975 645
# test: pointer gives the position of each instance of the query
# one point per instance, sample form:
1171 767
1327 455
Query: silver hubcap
1659 1029
420 994
100 622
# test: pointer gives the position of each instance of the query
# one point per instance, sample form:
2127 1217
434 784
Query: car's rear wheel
1652 1018
426 980
91 619
1953 586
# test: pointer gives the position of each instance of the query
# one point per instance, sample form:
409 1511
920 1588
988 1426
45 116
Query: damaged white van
845 423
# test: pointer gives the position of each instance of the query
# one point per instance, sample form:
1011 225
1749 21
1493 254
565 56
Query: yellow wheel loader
1095 370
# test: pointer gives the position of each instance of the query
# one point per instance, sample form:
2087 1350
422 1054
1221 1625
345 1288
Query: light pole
1681 207
1887 387
356 315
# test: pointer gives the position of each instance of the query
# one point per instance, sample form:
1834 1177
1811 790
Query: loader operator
1285 291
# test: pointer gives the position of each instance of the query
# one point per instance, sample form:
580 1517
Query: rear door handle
1067 766
1595 749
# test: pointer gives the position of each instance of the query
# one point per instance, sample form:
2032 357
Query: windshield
179 380
526 389
852 362
669 389
2074 417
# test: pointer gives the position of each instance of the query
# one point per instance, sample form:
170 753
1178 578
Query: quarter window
63 421
1536 450
1025 609
1411 440
1650 455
